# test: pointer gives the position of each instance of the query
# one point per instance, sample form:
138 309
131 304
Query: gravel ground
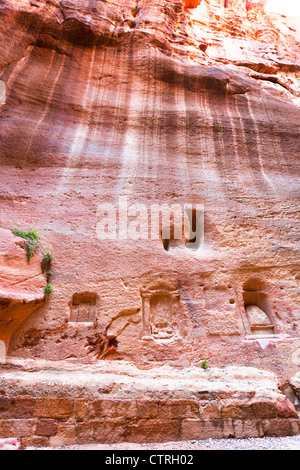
266 443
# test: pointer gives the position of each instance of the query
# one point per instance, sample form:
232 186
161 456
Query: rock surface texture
59 405
156 102
22 287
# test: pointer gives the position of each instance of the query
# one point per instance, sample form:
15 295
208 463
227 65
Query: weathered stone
125 104
147 409
244 429
285 409
236 410
35 442
66 434
295 383
113 408
279 427
80 409
153 430
178 409
10 444
46 427
264 410
17 427
110 430
210 410
22 287
18 407
57 408
182 102
85 432
203 429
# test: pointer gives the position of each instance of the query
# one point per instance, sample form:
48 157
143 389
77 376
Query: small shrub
31 238
31 234
48 290
47 263
204 365
30 249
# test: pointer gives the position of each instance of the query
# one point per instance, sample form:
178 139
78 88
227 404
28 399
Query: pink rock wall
161 105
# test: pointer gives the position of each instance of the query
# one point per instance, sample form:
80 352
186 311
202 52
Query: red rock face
22 287
158 104
191 3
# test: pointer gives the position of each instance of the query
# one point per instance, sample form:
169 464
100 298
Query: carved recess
259 321
159 312
257 308
83 308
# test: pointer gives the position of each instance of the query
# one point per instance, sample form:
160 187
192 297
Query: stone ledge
227 403
48 432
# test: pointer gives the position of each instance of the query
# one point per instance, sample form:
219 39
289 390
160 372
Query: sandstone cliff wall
161 104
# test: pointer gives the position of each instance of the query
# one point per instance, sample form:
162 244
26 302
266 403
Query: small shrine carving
159 312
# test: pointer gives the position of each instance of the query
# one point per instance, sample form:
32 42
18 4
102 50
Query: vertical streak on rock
259 149
144 123
239 174
242 147
157 106
183 112
274 139
130 107
15 71
218 142
148 126
81 131
211 175
45 111
105 112
252 150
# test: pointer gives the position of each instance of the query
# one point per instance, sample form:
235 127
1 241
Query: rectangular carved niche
83 307
159 311
258 312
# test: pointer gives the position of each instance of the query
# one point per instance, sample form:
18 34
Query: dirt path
266 443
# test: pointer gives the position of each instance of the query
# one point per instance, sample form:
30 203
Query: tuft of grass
31 238
204 365
31 234
30 249
48 290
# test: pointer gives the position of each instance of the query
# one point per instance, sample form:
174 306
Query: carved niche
159 312
258 309
259 321
83 307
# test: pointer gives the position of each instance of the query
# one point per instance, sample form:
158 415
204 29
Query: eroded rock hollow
124 106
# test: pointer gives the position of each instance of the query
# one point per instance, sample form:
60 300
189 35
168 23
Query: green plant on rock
47 263
31 238
204 365
46 269
31 234
30 249
48 290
